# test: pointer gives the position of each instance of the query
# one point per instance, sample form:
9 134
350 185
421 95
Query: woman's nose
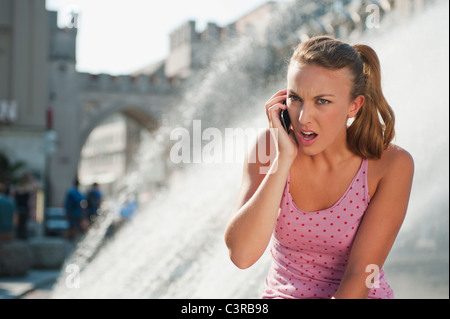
305 115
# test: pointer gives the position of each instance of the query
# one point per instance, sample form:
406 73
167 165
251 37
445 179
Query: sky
121 36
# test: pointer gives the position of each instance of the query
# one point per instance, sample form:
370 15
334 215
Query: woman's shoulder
394 160
395 157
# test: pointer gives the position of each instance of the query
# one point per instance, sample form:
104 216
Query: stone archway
106 154
62 171
139 114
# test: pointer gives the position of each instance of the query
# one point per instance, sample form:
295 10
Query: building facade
24 81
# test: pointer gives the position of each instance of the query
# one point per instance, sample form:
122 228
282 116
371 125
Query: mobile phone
285 119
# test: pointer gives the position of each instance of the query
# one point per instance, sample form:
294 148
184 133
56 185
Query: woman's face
319 106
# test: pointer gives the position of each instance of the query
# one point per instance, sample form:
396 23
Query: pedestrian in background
74 210
94 199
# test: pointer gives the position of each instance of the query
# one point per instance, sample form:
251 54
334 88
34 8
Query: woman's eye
294 98
323 101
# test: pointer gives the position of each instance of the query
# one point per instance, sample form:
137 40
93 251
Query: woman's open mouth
307 137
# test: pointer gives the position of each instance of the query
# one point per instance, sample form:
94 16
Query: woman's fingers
274 115
278 97
281 92
286 142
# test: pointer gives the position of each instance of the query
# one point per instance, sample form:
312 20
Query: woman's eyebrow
322 95
316 97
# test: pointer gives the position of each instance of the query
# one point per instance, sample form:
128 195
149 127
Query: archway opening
110 151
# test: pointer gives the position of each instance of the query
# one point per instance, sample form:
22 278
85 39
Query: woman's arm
256 209
381 223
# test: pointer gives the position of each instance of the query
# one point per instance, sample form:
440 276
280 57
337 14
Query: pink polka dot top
310 250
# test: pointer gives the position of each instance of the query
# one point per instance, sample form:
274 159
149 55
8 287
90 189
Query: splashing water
173 247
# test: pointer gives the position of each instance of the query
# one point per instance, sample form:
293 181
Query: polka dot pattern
310 250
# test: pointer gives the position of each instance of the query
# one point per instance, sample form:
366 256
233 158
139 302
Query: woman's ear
355 106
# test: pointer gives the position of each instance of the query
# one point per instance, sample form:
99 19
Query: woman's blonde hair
373 127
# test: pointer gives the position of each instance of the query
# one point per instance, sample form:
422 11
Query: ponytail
369 135
373 127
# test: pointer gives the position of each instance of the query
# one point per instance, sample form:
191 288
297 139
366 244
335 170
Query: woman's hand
286 143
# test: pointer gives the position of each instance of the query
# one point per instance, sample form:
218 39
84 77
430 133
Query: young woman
335 195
